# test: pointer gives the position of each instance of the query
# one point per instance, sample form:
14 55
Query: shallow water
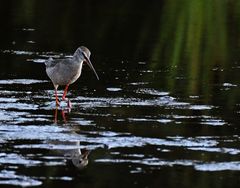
128 125
165 112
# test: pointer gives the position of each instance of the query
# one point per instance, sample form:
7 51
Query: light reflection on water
165 112
28 129
18 180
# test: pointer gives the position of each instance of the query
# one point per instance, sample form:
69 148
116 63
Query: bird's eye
84 55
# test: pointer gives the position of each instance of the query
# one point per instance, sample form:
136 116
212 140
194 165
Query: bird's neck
77 59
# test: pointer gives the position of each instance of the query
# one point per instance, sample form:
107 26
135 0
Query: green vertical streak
165 31
207 50
221 13
194 42
179 39
193 36
164 46
215 45
177 49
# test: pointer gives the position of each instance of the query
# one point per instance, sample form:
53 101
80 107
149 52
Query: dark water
165 112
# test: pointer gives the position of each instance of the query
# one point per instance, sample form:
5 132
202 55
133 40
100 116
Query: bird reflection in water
78 157
75 155
63 114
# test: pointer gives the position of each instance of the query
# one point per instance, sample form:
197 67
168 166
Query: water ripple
22 81
8 177
218 166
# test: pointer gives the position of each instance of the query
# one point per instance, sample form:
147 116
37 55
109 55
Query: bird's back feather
52 62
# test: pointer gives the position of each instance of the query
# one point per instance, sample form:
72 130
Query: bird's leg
64 97
65 92
55 115
64 117
56 96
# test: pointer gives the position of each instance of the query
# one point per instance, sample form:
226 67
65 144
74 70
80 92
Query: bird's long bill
90 65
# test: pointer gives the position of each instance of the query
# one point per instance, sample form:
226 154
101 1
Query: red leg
64 117
65 92
56 96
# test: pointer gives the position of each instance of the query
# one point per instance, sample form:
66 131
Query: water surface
157 117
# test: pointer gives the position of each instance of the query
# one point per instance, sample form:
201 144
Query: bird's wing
52 62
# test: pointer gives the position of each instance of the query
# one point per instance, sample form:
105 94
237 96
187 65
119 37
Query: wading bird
67 71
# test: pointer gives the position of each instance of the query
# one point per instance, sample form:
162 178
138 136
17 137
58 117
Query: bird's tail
48 61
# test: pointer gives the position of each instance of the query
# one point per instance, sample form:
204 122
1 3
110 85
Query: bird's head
80 160
83 53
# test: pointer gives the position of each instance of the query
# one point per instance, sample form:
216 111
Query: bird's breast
64 73
76 74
